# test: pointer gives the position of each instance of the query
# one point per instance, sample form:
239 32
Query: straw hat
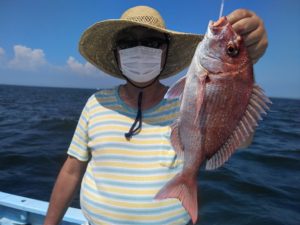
98 41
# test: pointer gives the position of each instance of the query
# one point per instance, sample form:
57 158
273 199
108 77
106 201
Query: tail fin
185 189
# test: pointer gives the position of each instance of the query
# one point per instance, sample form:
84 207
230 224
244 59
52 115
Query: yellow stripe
131 205
112 117
82 123
85 113
94 101
79 141
124 128
79 151
160 118
123 118
154 204
138 178
131 152
121 216
169 106
80 132
101 109
133 141
123 190
139 165
127 191
105 99
129 165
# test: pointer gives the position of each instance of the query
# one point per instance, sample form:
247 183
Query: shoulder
167 106
105 92
101 95
171 103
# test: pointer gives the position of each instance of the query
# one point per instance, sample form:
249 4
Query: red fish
220 107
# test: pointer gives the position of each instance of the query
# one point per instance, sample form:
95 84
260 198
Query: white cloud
2 57
27 59
2 52
34 60
83 69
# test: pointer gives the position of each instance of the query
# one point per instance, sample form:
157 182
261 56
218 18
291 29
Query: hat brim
97 43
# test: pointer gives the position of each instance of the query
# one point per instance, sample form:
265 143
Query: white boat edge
17 210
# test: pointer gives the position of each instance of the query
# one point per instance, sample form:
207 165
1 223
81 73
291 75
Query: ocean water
258 185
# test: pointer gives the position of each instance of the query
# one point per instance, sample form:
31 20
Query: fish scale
220 107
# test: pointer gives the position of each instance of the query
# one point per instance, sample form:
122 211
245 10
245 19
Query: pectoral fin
175 91
200 96
176 142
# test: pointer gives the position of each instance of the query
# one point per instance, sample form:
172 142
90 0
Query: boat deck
18 210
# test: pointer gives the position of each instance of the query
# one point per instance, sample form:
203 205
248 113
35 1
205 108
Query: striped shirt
123 176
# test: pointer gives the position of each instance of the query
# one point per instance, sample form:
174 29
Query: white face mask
140 64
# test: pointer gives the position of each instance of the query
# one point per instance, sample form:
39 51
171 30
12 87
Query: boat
18 210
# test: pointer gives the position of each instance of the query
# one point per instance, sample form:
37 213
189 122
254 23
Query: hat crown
145 15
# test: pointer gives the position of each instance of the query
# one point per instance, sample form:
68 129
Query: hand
251 27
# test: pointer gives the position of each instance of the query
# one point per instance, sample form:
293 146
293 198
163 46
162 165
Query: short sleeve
79 144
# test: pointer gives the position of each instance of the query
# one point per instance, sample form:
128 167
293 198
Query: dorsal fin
256 106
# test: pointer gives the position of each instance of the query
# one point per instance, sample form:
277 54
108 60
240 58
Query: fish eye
232 50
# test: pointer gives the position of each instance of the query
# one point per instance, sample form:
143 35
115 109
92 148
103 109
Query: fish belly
189 127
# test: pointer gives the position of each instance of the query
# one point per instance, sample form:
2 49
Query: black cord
138 119
133 131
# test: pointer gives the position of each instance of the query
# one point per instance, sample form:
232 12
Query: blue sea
259 185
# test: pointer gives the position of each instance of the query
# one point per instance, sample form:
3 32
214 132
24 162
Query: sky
39 39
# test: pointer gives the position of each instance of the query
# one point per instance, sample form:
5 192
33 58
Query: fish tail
183 188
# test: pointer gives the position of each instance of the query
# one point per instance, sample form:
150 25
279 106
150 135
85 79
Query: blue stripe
145 184
104 93
144 159
132 198
81 128
140 171
131 146
135 211
155 115
167 111
113 93
103 134
83 117
161 123
80 137
119 112
131 222
83 148
110 123
104 103
146 124
108 113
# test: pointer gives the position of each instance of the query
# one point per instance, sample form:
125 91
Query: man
121 145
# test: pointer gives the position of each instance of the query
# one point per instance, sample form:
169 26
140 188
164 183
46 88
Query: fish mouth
220 22
216 27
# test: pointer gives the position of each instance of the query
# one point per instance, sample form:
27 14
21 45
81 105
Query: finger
238 14
254 36
245 25
257 50
253 53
